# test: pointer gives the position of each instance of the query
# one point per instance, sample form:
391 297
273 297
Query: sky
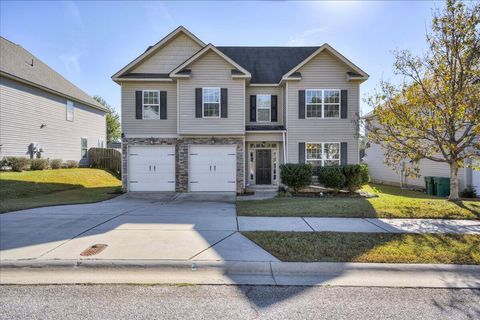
87 42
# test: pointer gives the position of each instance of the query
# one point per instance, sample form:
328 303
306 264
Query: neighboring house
196 117
42 113
381 173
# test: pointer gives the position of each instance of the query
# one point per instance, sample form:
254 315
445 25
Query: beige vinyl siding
323 72
380 172
210 70
170 56
23 109
265 90
262 136
132 127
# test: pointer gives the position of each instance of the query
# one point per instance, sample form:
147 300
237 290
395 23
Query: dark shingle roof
19 63
268 64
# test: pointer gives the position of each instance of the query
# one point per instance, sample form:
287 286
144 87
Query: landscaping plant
296 176
71 164
38 164
331 177
17 164
56 163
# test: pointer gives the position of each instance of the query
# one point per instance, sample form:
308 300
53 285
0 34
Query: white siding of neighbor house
380 172
323 72
140 127
211 70
264 90
23 109
170 56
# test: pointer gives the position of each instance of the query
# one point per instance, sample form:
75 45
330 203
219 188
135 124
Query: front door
264 166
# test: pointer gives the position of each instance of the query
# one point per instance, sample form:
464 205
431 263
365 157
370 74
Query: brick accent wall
181 156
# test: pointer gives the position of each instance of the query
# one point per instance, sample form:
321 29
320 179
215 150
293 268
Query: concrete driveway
163 226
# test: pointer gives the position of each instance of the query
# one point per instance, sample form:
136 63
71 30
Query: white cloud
71 62
305 38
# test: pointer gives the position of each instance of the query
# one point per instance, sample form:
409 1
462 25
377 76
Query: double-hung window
211 102
70 109
151 104
84 148
264 104
322 103
323 154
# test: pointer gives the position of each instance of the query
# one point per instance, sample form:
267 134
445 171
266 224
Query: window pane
263 114
69 110
332 111
315 163
332 96
263 101
211 110
329 163
314 96
150 97
211 95
150 112
331 151
314 151
84 143
314 110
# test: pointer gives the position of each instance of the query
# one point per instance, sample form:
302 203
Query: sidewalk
368 225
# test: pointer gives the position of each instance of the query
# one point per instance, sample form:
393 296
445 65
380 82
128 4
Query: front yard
30 189
369 247
392 202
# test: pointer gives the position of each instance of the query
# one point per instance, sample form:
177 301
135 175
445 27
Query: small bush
56 163
17 164
469 192
331 177
38 164
353 177
296 176
71 164
365 177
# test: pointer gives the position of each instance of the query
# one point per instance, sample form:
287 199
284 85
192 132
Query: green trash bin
442 186
429 186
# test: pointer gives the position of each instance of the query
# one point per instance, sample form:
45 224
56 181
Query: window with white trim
322 103
323 154
264 105
84 148
151 104
211 102
70 110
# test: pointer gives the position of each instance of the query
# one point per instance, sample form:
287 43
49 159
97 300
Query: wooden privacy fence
105 158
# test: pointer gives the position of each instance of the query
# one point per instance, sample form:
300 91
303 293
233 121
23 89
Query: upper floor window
70 109
84 148
323 154
322 103
151 104
264 103
211 102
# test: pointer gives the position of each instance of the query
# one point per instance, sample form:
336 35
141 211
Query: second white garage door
212 168
151 168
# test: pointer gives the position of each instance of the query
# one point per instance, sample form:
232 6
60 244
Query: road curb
239 272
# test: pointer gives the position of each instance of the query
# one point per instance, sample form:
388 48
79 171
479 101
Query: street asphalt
234 302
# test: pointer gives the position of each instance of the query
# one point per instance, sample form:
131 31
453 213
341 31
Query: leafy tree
113 121
434 113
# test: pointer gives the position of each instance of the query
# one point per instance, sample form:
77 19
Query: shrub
38 164
331 177
353 177
296 176
71 164
364 174
469 192
56 163
17 164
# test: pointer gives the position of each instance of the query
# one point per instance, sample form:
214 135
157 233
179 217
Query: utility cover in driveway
212 167
151 168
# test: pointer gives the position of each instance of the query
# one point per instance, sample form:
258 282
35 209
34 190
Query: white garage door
151 168
212 168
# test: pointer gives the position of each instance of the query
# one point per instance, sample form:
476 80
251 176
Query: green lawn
369 247
29 189
392 202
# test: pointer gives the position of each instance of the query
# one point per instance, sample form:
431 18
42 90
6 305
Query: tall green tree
434 113
113 121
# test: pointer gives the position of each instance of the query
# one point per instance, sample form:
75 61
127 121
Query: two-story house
197 117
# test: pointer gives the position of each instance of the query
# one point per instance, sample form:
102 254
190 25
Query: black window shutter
343 104
224 102
301 104
253 108
163 104
343 153
301 152
198 103
274 108
138 104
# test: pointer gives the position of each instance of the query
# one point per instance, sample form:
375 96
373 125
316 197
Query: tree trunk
454 182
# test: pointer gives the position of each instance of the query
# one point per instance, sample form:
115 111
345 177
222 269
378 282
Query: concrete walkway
368 225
